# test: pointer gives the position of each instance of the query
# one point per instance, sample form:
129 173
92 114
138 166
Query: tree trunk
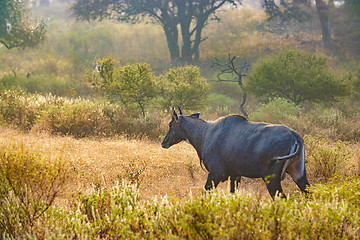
185 12
324 13
196 47
172 35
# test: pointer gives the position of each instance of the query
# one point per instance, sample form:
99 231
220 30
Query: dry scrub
97 203
101 163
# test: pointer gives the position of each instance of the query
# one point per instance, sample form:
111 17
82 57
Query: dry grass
102 162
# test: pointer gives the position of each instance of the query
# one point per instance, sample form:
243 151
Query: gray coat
233 147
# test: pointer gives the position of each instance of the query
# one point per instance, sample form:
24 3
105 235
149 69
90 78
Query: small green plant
221 104
133 171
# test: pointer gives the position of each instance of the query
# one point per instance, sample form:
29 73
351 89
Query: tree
190 16
183 86
296 76
16 29
132 85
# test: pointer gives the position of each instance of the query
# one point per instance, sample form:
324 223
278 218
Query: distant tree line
190 16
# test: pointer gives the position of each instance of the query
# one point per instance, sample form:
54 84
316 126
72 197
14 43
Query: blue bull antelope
234 147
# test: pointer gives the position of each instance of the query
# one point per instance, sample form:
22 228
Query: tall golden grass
102 162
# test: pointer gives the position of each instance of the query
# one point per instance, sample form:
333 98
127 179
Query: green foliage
131 84
354 7
29 184
135 84
221 104
329 212
347 190
356 84
275 111
16 30
38 84
296 76
183 86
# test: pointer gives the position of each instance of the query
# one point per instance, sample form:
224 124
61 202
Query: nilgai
234 147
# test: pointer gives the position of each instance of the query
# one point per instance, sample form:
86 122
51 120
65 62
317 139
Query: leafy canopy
183 86
131 84
136 84
296 76
16 28
185 19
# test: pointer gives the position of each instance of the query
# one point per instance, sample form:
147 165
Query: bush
296 76
79 118
325 160
347 189
18 109
183 86
135 85
277 110
76 117
118 212
131 85
29 184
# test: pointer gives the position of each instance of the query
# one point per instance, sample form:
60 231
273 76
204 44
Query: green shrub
29 184
296 76
330 211
277 110
183 86
76 117
215 215
131 85
136 88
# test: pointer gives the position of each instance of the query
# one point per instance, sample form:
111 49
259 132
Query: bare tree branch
230 67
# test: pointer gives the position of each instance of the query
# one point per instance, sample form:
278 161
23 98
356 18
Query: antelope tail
295 151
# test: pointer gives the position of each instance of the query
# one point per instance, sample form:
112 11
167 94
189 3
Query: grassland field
102 162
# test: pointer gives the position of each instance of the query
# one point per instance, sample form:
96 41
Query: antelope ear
195 115
180 112
174 115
